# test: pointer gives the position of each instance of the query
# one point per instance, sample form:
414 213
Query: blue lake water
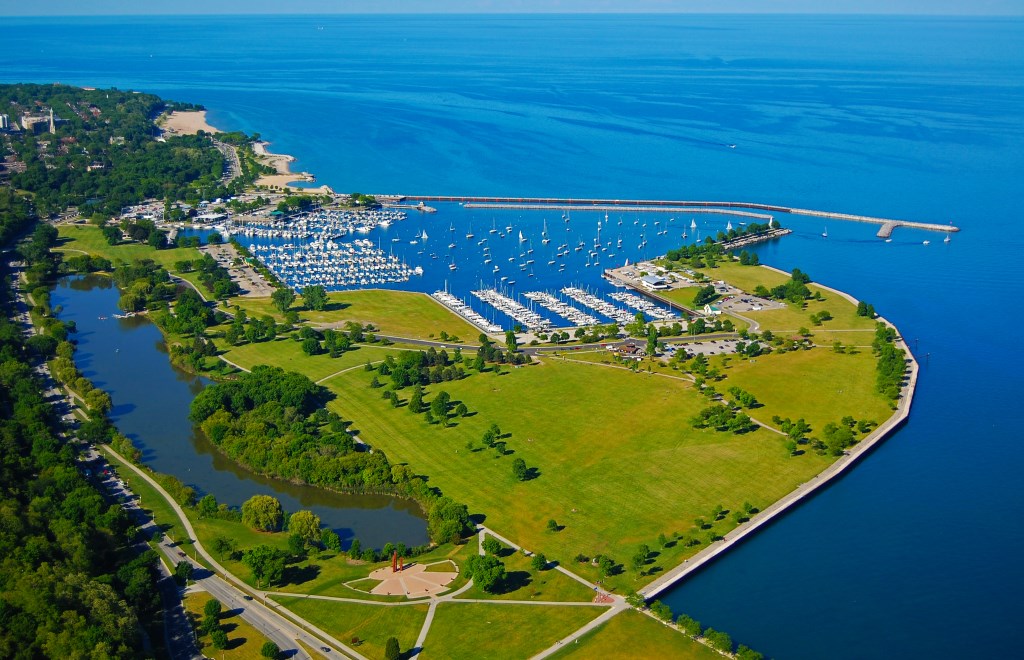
916 552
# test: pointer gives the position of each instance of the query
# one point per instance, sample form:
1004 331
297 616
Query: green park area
366 628
634 635
396 313
615 461
89 239
490 630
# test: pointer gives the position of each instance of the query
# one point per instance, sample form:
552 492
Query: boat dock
529 319
752 239
691 206
553 304
462 309
641 305
617 314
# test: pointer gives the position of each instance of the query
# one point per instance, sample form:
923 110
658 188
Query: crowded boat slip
458 306
553 304
332 265
603 307
643 305
530 320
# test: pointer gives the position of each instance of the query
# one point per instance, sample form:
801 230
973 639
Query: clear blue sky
115 7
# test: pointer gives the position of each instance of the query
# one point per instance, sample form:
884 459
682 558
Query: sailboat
544 234
423 236
728 226
522 239
946 239
693 223
469 234
494 226
824 234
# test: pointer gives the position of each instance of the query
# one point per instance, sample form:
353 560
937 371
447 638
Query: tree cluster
723 418
71 583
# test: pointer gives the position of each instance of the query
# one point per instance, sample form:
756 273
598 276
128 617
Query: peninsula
568 475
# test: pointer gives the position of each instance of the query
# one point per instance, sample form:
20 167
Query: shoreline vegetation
431 410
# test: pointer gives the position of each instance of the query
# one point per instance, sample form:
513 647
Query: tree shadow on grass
300 574
235 643
514 581
534 473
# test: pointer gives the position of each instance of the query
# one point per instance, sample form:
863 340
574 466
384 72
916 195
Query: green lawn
397 313
819 385
287 353
524 583
618 461
501 631
745 277
89 238
372 624
635 635
244 641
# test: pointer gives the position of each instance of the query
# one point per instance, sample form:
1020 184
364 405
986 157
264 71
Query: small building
653 282
632 351
712 310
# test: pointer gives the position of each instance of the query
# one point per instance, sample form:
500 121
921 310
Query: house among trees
712 310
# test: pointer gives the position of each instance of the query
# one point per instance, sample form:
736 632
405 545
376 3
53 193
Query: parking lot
245 275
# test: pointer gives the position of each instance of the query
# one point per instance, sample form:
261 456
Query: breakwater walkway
598 204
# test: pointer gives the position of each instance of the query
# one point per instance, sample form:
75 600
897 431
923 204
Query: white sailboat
423 236
824 234
469 234
693 223
728 226
494 226
544 234
522 239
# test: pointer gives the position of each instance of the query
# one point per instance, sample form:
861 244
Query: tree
212 608
461 410
263 513
314 297
354 548
704 295
539 562
310 346
182 571
265 562
652 340
305 525
605 566
219 638
552 525
519 470
416 400
270 650
439 406
492 546
392 651
510 341
689 625
744 652
282 299
487 572
330 539
718 640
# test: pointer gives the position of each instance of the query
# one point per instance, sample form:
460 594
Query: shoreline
777 509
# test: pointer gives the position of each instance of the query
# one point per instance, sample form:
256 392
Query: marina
458 306
586 299
642 305
553 304
527 318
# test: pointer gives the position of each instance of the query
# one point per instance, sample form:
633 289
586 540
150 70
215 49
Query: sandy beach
284 177
188 122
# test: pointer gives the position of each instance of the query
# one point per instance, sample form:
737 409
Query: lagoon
128 359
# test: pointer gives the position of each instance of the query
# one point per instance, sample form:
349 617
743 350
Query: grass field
372 624
528 584
88 238
500 631
634 635
287 353
819 385
396 313
244 641
618 462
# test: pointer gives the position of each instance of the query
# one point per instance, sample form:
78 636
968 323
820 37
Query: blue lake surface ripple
916 552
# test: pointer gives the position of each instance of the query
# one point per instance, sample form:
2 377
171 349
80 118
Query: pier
529 320
597 204
617 314
462 309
